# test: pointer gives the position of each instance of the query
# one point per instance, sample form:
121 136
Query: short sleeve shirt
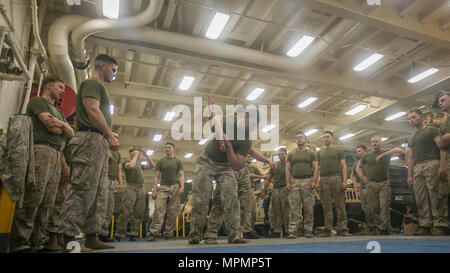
330 161
376 171
279 175
301 162
92 88
169 168
134 175
37 106
423 145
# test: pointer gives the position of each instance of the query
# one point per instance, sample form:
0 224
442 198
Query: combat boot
291 236
210 241
275 235
438 231
344 233
250 235
309 234
373 231
52 244
238 240
93 242
194 240
60 238
422 231
325 233
151 237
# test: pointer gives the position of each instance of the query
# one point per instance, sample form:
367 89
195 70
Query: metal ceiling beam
383 18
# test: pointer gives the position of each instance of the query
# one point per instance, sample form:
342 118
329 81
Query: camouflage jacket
17 157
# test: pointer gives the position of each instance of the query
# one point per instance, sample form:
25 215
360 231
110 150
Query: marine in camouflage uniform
333 182
279 201
49 129
426 173
444 141
302 172
218 162
114 173
170 175
360 187
133 201
378 191
86 204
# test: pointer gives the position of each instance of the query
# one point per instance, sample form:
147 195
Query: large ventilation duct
81 27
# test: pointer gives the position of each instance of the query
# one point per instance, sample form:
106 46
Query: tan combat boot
422 231
438 231
210 241
93 242
52 244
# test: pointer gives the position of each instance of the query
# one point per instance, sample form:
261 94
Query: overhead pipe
37 36
58 47
93 26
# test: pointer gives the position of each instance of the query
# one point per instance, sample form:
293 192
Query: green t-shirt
376 171
423 145
92 88
330 161
133 176
445 129
169 168
357 178
279 175
37 106
241 147
254 170
301 162
112 170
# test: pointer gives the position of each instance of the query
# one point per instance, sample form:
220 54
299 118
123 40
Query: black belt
56 147
95 130
303 177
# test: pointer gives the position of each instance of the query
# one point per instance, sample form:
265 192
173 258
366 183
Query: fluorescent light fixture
255 93
301 45
368 62
395 158
317 149
254 160
186 83
310 132
384 138
158 185
423 75
217 25
111 109
421 107
188 155
169 116
149 152
111 8
144 163
404 145
157 137
347 136
307 102
214 181
279 147
394 116
268 128
203 141
356 110
189 181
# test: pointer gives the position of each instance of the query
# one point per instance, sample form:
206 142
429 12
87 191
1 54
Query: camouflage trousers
431 195
131 210
105 231
246 201
378 204
363 198
61 197
85 207
31 220
205 171
331 191
279 209
301 200
448 172
167 201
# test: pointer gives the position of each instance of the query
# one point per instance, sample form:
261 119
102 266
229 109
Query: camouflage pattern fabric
378 204
167 201
279 209
109 210
131 210
331 190
301 196
85 207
